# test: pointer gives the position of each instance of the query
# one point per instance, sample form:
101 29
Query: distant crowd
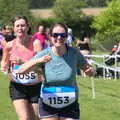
7 34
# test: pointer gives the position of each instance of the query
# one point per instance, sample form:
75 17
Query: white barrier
103 65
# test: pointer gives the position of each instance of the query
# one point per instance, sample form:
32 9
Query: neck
22 40
59 50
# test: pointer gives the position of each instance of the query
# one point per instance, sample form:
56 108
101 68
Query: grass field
105 106
6 108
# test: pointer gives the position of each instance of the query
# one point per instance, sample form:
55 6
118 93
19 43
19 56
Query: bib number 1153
58 100
58 97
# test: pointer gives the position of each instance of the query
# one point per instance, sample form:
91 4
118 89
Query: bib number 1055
58 100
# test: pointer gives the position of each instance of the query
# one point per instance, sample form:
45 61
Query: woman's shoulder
72 49
47 50
9 45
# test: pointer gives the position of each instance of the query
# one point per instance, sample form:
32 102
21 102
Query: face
58 36
41 29
8 30
20 27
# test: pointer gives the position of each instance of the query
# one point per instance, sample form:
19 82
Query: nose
20 26
59 37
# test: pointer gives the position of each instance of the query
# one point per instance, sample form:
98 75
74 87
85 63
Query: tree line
50 3
105 27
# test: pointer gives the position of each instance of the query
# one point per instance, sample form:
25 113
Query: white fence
114 68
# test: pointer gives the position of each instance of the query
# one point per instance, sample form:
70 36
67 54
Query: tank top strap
13 46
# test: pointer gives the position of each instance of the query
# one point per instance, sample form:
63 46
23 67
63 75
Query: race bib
58 97
29 78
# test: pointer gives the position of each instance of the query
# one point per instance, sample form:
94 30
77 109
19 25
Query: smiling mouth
60 42
20 32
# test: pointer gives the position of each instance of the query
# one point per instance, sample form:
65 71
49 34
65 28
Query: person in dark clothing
8 33
84 46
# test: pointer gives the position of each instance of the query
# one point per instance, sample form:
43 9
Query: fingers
90 71
47 58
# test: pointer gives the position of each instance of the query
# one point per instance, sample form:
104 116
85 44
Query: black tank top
84 46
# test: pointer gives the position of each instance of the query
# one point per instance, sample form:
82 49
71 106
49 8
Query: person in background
84 45
118 48
47 32
24 88
2 39
70 37
112 60
114 49
41 36
8 33
59 92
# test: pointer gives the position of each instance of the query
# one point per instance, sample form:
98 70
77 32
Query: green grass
105 106
6 109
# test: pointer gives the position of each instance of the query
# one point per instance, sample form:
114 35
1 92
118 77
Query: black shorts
71 111
30 93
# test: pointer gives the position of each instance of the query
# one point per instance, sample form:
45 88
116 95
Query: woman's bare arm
5 56
27 66
37 46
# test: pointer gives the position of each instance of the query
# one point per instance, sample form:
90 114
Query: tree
107 25
49 3
10 8
68 10
41 3
96 3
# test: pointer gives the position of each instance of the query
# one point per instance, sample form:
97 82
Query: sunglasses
55 35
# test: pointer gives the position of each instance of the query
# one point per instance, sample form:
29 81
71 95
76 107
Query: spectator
2 39
83 45
8 33
70 37
41 36
48 42
114 49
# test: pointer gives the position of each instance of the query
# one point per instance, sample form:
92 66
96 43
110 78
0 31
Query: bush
107 24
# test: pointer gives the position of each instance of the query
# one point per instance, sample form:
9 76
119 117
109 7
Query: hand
89 70
45 58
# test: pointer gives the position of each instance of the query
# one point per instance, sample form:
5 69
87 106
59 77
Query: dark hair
19 17
29 31
58 24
